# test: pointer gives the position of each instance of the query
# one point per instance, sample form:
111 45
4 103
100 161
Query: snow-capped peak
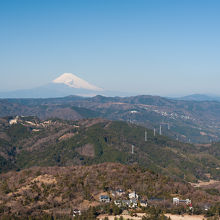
74 81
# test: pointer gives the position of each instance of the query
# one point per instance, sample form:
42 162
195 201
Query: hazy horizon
166 48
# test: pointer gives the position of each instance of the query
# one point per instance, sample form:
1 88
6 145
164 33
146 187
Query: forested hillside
187 121
32 142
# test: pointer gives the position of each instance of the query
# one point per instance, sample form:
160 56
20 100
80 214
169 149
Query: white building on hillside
133 195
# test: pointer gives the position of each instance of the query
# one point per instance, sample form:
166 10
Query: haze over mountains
64 85
70 84
200 97
193 118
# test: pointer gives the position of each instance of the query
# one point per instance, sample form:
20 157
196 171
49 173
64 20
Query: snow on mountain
74 81
65 85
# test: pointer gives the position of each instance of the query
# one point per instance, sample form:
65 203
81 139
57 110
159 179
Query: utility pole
132 149
145 137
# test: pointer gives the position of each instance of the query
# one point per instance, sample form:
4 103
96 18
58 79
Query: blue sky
140 46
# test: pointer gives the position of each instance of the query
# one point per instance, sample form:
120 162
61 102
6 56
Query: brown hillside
52 189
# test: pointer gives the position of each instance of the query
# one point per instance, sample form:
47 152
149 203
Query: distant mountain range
194 118
200 97
187 121
69 84
65 85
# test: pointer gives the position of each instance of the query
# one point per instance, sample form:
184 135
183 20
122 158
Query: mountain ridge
200 97
28 141
64 85
187 121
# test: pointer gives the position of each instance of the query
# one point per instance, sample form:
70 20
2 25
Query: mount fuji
64 85
74 81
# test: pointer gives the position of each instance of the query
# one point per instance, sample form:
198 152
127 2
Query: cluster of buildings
131 201
177 201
